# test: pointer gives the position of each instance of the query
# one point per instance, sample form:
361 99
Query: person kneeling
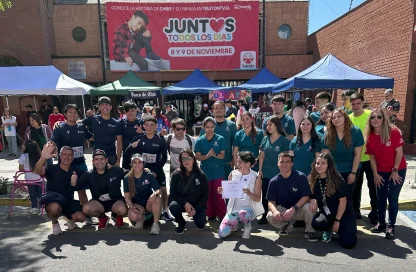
142 193
336 213
105 187
188 192
247 208
290 188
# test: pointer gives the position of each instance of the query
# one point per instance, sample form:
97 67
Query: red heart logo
216 24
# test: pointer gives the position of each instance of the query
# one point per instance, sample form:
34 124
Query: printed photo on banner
182 36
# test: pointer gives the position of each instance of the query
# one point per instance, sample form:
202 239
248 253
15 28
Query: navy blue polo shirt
144 186
59 180
129 130
73 136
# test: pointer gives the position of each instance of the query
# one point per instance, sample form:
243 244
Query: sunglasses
184 159
372 117
180 129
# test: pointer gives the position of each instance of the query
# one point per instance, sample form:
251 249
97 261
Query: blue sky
322 12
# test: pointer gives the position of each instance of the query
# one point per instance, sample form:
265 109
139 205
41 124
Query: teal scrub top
245 143
304 154
315 116
344 156
212 167
271 154
227 130
287 122
320 129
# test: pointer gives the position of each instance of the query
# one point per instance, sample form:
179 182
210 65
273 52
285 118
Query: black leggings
177 209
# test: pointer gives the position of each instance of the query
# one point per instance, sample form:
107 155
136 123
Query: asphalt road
26 244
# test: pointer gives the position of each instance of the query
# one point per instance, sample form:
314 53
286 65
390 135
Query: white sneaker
247 231
139 224
34 211
56 229
71 224
155 229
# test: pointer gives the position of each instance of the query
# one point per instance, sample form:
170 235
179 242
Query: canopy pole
83 105
7 102
34 101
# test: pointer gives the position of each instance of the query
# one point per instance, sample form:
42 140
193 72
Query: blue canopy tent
195 83
263 82
331 73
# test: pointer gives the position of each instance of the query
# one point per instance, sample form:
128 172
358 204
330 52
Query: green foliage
9 61
5 4
4 186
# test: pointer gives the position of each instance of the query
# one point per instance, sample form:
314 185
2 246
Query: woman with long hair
38 132
248 139
274 143
242 210
305 146
345 142
385 147
326 112
9 125
188 192
336 213
210 151
142 194
27 162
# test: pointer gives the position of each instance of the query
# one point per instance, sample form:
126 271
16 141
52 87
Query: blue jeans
389 191
35 192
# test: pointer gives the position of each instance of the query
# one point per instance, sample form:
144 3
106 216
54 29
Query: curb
17 202
404 205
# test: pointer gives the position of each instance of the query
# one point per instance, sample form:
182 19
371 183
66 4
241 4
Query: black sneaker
373 217
312 237
212 218
358 215
390 233
284 231
262 220
180 229
379 228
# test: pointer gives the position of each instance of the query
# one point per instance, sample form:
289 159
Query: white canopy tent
39 80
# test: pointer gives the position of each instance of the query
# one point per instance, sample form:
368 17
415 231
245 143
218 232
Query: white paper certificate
232 189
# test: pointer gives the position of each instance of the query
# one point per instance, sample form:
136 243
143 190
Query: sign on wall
76 69
183 36
144 94
230 94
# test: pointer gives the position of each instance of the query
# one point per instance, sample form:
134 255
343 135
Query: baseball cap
205 105
28 106
147 105
136 156
388 91
99 152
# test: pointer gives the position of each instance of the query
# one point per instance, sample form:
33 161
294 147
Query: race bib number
78 152
149 158
105 197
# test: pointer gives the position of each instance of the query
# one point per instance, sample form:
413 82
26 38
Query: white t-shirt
176 147
24 160
9 130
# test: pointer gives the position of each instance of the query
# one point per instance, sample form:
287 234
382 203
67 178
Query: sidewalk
8 166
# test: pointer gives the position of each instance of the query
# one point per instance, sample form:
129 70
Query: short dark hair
142 15
255 104
129 105
348 92
207 120
247 156
357 96
178 121
104 100
240 101
323 95
308 100
71 106
150 119
278 98
287 155
36 117
228 101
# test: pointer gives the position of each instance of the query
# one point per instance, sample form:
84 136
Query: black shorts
160 177
108 204
71 207
142 203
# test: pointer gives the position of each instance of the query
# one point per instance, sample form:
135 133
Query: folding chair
20 182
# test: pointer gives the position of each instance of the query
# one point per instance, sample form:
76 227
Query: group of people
311 173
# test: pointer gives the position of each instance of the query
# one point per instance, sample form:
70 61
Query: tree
5 4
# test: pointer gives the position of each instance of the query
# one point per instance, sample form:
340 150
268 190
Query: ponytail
132 182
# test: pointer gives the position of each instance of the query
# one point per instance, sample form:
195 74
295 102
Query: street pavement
26 244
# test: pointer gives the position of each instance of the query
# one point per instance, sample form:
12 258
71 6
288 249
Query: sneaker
71 224
262 220
247 231
113 216
56 229
166 216
200 229
119 222
390 233
155 229
312 237
326 236
212 218
358 215
373 217
9 155
91 220
152 56
379 228
103 222
139 224
284 231
180 229
34 211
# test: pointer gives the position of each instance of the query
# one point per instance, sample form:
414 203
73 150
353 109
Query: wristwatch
336 219
394 169
296 207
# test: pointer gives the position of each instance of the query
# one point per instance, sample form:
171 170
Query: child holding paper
247 208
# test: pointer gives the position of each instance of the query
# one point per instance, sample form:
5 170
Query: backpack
187 137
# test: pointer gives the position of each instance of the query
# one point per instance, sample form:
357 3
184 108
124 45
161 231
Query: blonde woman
385 147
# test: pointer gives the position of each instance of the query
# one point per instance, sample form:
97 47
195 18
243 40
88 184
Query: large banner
232 95
183 36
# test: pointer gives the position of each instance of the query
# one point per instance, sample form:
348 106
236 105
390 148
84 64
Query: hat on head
388 91
28 106
205 105
99 152
136 156
147 105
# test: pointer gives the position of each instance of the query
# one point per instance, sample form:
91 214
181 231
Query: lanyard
323 190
